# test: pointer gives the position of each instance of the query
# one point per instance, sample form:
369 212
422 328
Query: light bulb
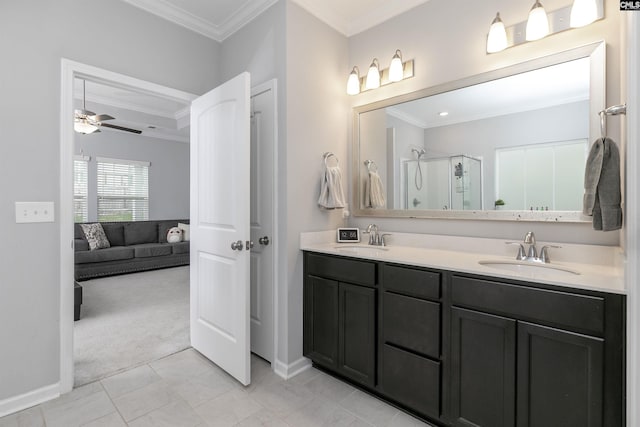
83 126
583 12
353 83
497 39
373 76
538 23
396 69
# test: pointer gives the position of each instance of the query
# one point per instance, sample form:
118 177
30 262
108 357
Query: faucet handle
544 253
521 254
382 241
530 238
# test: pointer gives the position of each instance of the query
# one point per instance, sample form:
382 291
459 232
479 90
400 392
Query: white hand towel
374 192
331 192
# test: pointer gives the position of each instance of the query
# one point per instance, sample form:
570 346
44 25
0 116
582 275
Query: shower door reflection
443 183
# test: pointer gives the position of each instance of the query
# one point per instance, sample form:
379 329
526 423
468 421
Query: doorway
70 71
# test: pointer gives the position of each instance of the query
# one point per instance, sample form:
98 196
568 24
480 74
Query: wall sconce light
353 84
497 39
540 24
583 12
375 78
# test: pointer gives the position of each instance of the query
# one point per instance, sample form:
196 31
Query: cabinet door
357 328
482 369
560 377
321 321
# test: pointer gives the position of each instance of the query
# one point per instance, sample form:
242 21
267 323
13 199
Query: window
80 185
123 190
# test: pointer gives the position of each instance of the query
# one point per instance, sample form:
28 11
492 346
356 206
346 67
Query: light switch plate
34 212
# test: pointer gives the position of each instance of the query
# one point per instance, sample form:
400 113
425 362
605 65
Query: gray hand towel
602 186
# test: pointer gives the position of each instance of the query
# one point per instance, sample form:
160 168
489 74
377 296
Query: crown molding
219 33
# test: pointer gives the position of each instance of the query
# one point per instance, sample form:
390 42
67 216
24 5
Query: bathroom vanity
458 343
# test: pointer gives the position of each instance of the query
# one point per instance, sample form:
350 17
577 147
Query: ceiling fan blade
102 117
107 125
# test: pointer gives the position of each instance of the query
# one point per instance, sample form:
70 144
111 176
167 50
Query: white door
219 269
262 219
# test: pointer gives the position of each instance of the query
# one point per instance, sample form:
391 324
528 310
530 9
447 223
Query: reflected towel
602 194
331 192
374 192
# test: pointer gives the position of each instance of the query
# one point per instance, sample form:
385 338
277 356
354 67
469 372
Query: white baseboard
291 370
29 399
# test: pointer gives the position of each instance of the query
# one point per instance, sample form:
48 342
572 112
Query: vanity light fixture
353 83
397 71
538 22
497 39
583 12
373 76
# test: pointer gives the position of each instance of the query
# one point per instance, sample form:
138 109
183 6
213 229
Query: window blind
123 190
80 191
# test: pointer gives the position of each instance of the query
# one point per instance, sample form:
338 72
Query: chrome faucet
374 237
532 253
530 239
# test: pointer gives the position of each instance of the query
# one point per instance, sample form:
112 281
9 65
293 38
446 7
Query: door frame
70 70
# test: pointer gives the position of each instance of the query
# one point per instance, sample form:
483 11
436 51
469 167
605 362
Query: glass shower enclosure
443 183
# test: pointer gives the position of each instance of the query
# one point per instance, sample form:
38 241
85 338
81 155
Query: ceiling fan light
396 69
373 76
83 126
538 23
497 38
583 12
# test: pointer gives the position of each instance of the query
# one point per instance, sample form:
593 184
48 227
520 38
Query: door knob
249 244
264 240
237 246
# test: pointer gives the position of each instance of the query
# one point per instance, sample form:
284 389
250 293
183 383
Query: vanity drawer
411 323
411 380
582 313
341 269
411 281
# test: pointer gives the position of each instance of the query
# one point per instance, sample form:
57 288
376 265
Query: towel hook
371 165
326 157
614 110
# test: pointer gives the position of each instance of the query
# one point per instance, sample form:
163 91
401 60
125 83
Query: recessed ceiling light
443 113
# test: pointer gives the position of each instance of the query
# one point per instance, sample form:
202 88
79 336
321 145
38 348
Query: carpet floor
130 320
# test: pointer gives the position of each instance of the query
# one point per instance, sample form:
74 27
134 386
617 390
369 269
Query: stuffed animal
174 235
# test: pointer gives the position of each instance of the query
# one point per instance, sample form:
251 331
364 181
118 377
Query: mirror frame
597 93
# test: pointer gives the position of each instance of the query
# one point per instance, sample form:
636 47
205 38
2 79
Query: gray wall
35 36
447 39
168 173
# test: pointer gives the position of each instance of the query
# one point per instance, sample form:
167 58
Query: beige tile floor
186 390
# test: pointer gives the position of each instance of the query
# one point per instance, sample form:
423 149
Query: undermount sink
524 267
361 249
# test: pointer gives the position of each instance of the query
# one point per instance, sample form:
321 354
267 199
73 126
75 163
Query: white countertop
600 267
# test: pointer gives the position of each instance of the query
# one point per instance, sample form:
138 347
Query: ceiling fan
86 122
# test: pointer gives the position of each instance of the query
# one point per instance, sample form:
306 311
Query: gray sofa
135 246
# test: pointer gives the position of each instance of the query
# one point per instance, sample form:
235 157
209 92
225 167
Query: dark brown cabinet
521 356
340 318
465 350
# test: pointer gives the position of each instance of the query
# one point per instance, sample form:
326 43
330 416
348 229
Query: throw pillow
174 235
95 236
185 231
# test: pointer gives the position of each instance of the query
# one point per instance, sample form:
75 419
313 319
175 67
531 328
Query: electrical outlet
34 212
